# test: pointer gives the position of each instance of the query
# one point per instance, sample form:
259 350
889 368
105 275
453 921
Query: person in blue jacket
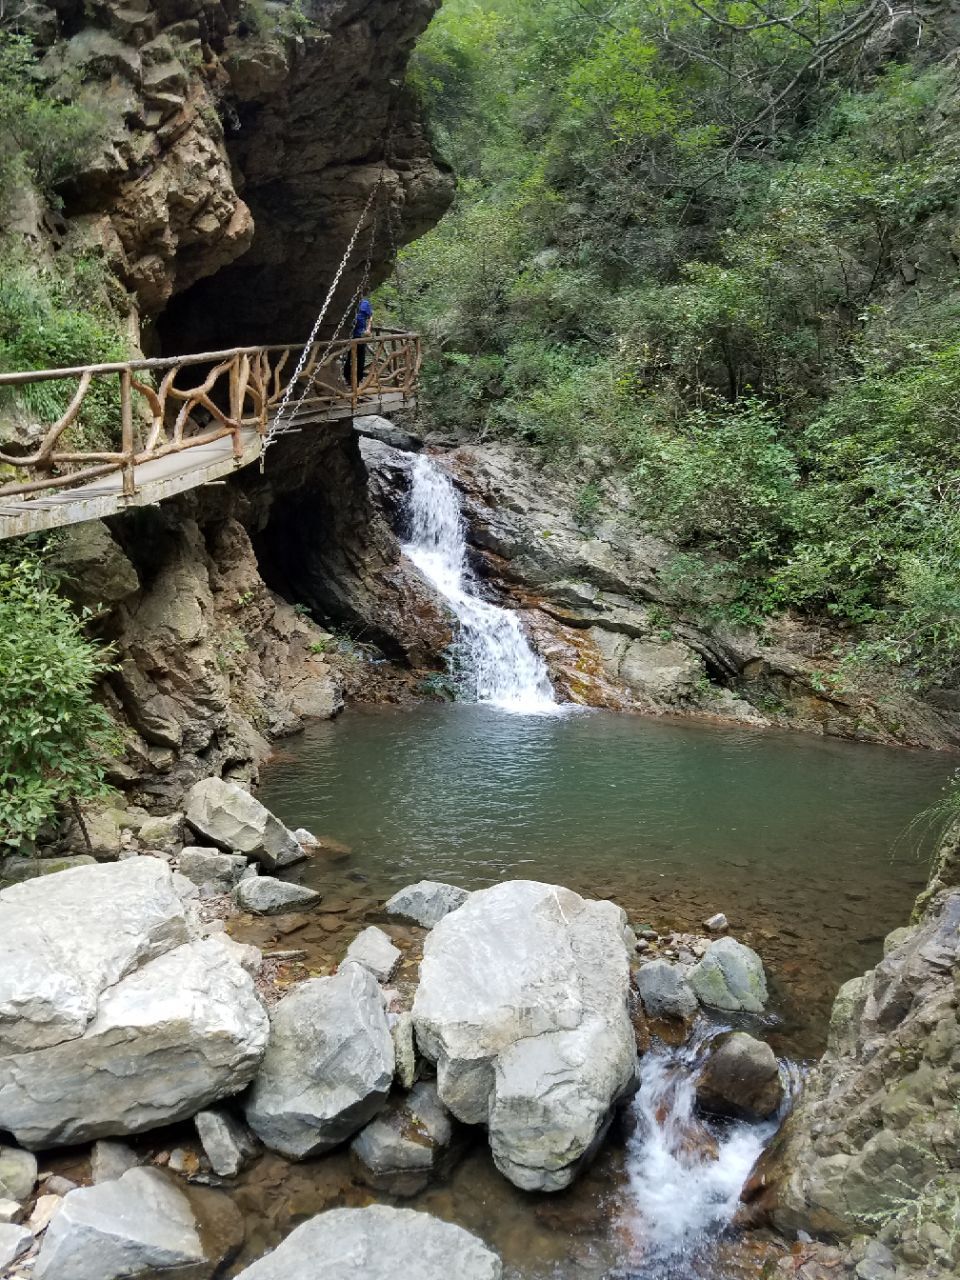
361 329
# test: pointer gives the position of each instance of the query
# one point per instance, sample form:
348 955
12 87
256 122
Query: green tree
54 738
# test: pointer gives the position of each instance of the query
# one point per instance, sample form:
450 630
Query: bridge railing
157 407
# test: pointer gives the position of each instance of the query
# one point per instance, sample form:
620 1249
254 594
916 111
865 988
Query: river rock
378 1243
401 1149
14 1243
127 1019
328 1067
218 872
266 896
374 950
18 1172
665 991
741 1078
226 1141
404 1048
111 1160
229 816
426 902
142 1225
730 976
523 1005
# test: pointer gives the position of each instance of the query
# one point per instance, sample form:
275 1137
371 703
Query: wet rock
14 1243
227 815
730 976
378 1243
328 1067
523 1005
218 872
404 1147
741 1078
374 950
115 974
717 923
377 428
18 1172
306 839
266 896
665 991
141 1225
426 902
227 1143
111 1160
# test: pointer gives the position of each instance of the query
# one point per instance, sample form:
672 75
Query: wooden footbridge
133 433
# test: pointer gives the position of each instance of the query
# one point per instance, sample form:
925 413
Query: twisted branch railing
238 391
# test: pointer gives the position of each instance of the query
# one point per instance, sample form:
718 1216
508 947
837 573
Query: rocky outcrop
140 1225
522 1004
872 1146
378 1243
328 1067
102 965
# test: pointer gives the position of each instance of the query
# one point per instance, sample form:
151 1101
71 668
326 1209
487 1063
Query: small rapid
684 1176
494 662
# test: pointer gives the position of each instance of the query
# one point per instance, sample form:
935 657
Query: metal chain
275 428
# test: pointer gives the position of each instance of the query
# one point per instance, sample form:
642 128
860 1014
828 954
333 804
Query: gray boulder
111 1160
127 1018
11 1211
741 1078
18 1173
227 815
664 990
14 1243
328 1067
142 1225
374 950
226 1141
523 1005
378 1243
730 976
219 872
426 902
162 833
266 896
406 1144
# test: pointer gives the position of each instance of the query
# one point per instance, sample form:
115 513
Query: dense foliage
54 738
716 247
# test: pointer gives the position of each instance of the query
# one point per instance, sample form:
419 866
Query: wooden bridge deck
187 437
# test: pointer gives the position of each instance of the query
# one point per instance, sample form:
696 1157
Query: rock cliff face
873 1146
240 135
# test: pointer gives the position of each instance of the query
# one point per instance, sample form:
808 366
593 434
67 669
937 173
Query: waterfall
685 1177
494 660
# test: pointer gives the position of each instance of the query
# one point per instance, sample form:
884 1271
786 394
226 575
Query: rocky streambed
527 1068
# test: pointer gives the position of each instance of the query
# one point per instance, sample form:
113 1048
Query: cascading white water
684 1179
495 662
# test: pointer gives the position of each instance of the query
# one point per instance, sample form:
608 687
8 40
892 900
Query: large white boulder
377 1243
143 1225
328 1067
523 1005
131 1020
229 816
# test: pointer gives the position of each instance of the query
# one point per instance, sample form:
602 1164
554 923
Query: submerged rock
266 896
426 902
142 1225
229 816
127 1019
405 1145
741 1078
523 1005
665 991
378 1243
374 950
730 976
328 1067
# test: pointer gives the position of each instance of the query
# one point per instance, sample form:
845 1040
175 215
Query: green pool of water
805 843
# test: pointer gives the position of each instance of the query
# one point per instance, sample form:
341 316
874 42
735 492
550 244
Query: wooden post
353 374
127 445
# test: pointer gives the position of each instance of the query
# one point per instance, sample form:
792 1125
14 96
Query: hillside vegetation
715 247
